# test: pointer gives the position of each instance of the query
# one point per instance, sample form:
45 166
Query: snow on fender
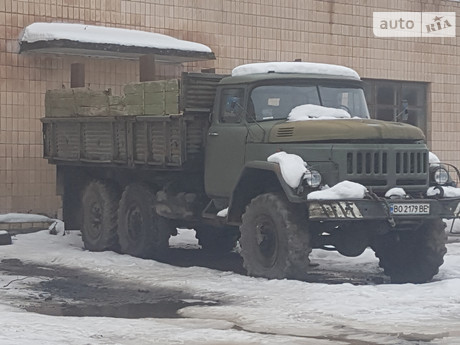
292 167
342 190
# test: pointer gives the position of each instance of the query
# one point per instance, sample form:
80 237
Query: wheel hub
135 222
96 218
266 239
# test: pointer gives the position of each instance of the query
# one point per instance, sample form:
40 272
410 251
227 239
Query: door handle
213 134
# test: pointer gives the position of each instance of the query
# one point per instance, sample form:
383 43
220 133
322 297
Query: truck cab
322 117
318 114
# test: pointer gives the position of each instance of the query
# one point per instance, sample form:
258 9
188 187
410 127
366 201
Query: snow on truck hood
311 112
343 129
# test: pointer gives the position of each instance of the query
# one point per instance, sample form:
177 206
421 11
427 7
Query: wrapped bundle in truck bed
160 124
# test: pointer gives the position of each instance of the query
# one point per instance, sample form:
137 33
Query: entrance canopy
108 42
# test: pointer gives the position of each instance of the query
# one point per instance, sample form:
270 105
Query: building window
77 75
385 100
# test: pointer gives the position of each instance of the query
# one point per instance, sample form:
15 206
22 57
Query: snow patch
292 167
223 213
312 112
395 192
99 34
432 158
375 313
449 191
186 238
295 67
23 218
342 190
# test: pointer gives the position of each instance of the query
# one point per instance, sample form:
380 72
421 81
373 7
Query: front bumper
381 209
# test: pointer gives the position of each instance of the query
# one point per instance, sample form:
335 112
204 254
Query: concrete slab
5 238
14 228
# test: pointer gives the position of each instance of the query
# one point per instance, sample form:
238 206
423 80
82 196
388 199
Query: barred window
385 100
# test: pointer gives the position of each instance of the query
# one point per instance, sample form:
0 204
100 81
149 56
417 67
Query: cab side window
232 106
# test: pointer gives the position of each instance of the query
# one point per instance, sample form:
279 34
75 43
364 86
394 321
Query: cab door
226 143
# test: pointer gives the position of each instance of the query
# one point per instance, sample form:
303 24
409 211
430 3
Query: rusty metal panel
48 140
198 90
159 142
195 129
120 137
66 140
97 141
140 150
175 140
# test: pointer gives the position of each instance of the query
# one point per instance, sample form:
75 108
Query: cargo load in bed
159 124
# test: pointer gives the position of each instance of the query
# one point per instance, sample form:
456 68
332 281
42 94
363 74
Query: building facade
423 71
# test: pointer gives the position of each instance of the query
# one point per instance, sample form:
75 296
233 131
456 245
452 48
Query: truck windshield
271 102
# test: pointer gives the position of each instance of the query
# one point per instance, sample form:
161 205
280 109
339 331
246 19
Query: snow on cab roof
68 36
295 67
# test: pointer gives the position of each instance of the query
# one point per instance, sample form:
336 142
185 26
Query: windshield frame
317 83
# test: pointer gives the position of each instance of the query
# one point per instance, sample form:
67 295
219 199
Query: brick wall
238 32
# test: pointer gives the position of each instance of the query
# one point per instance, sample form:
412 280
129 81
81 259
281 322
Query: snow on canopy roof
295 67
80 39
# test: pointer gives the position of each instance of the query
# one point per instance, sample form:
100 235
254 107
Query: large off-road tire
141 231
99 210
217 239
412 256
275 242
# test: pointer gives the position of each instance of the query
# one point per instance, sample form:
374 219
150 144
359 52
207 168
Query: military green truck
193 153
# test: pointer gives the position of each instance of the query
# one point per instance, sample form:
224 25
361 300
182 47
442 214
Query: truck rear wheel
217 240
99 209
275 242
412 256
140 229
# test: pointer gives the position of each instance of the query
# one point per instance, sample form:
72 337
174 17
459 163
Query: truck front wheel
412 256
140 229
99 210
275 242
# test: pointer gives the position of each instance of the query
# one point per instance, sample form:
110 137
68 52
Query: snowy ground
231 308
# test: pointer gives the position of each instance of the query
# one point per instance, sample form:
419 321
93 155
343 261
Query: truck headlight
440 175
313 178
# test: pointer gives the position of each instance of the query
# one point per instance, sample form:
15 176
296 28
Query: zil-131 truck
195 153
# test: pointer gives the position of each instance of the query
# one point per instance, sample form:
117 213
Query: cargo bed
75 135
159 142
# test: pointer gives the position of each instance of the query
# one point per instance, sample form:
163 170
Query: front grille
367 163
388 167
411 162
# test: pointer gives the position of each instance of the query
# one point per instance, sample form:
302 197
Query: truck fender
257 177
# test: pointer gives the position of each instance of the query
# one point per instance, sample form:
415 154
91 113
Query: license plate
410 208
